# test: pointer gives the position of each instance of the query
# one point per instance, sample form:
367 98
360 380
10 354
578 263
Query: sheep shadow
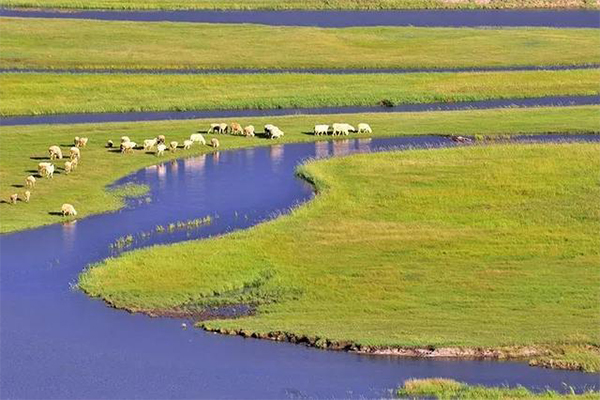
55 213
114 150
18 186
39 158
311 133
206 132
150 153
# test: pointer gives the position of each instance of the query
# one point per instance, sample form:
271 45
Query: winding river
58 343
337 19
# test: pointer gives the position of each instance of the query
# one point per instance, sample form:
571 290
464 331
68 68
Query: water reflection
364 145
195 165
69 230
341 147
321 149
276 154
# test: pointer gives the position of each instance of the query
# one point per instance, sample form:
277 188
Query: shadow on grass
18 186
55 213
39 158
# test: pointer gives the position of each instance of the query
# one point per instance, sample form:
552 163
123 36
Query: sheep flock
159 145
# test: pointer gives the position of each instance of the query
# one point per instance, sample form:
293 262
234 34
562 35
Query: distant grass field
33 93
64 43
438 388
296 4
486 246
21 146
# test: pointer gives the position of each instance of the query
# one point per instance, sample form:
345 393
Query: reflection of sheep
68 167
149 143
173 146
321 129
249 130
128 147
13 198
364 128
75 153
236 128
214 142
160 149
161 139
68 209
109 144
55 152
196 137
27 196
187 144
30 181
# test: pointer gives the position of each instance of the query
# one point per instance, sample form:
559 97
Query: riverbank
24 146
469 248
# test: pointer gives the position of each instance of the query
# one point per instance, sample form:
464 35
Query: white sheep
161 139
110 144
128 147
187 144
68 209
76 140
274 132
30 181
214 142
342 129
223 128
173 146
42 168
160 149
74 163
249 130
214 128
14 198
75 153
27 196
321 129
125 139
49 171
197 137
55 152
150 143
68 167
364 128
82 142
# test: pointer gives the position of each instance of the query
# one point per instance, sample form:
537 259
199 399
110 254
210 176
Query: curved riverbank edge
542 355
535 356
337 19
315 71
82 118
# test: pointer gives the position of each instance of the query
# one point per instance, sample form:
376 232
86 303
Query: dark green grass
99 167
487 247
25 93
296 4
64 43
440 388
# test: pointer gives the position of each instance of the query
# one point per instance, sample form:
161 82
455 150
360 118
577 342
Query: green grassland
21 145
296 4
438 388
64 43
34 93
486 246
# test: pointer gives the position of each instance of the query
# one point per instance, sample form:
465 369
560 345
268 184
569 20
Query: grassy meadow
65 43
298 4
484 246
439 388
22 147
37 93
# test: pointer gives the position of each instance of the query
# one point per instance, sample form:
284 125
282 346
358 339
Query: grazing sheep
160 149
196 137
128 147
342 129
269 128
161 139
27 196
276 133
187 144
364 128
321 129
82 142
236 128
13 198
249 130
125 139
150 143
110 144
214 128
214 142
55 152
173 146
68 209
42 168
30 181
223 128
75 153
68 167
76 140
74 163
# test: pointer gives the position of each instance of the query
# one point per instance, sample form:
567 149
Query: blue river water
59 344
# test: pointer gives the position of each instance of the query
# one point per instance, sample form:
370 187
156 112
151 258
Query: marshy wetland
454 240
